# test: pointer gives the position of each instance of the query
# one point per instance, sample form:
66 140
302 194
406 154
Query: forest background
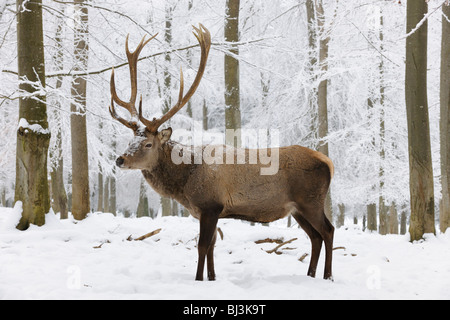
294 58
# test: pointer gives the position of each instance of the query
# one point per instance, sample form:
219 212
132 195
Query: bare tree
232 86
80 167
322 93
59 194
444 218
33 137
420 164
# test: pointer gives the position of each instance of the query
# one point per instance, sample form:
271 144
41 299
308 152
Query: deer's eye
148 145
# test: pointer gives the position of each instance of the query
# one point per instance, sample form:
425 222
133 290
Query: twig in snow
303 257
148 235
100 245
279 246
269 240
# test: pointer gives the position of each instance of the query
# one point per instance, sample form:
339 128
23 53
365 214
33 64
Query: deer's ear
164 135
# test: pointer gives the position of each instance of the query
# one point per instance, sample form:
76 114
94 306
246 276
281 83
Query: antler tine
204 38
130 106
156 123
130 124
133 58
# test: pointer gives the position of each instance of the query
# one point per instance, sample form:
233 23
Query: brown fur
239 191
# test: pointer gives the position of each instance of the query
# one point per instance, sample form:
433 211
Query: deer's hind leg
314 221
316 242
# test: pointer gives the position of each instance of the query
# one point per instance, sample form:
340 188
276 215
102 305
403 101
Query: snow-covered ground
59 261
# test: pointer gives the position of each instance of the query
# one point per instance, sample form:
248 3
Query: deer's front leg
208 223
210 258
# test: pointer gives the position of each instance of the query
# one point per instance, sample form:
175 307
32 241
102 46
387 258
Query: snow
23 123
59 261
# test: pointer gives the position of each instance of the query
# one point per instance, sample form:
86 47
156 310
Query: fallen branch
148 235
279 246
269 240
303 257
100 245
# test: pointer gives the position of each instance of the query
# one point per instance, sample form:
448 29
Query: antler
204 38
130 106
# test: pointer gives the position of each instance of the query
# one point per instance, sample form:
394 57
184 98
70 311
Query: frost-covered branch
421 22
124 64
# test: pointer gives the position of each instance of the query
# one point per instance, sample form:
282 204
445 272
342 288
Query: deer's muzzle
120 161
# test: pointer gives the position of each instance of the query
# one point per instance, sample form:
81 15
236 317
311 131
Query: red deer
210 192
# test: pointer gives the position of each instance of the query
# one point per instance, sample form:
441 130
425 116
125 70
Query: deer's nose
120 161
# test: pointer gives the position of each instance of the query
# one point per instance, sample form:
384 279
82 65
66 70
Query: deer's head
145 148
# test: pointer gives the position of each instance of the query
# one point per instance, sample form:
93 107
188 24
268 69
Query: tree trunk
166 206
372 217
174 208
168 59
312 53
112 195
59 194
383 217
205 115
106 195
420 165
232 85
80 167
4 197
322 95
341 218
142 208
189 59
444 218
100 191
32 145
112 180
403 221
393 219
383 214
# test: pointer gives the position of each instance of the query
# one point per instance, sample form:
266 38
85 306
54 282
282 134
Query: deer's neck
167 178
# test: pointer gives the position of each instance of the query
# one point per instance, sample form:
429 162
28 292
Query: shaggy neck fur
167 178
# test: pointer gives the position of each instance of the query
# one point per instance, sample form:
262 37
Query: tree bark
420 165
322 95
189 59
32 145
59 194
393 219
168 59
100 190
341 218
106 195
232 85
372 217
403 221
166 206
383 214
444 218
383 217
312 53
142 208
112 195
205 115
80 166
